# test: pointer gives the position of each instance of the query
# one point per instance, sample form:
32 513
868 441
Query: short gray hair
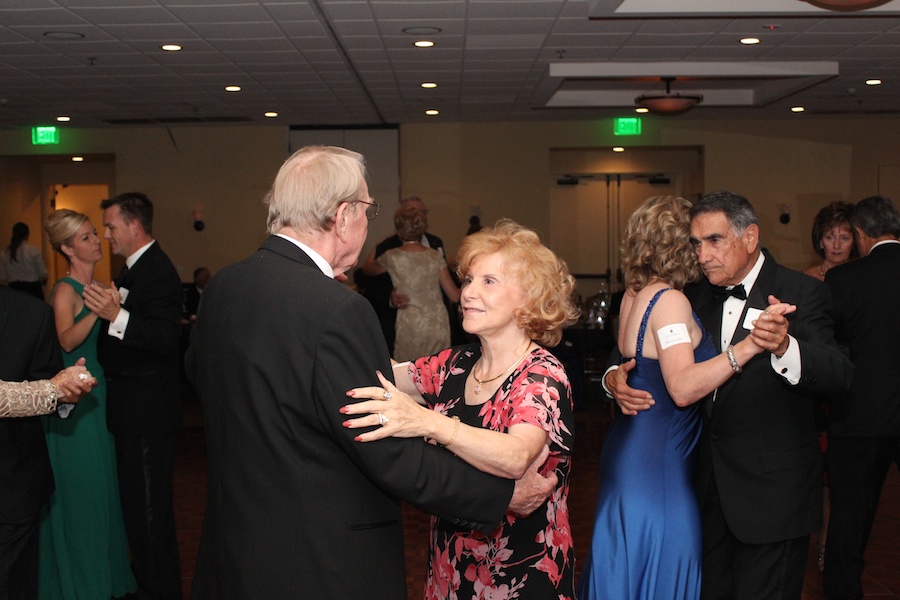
877 216
737 209
311 185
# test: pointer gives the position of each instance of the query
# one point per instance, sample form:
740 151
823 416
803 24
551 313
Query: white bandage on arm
674 333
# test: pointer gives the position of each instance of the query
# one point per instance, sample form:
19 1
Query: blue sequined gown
647 538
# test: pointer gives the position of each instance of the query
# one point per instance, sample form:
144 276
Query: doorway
593 191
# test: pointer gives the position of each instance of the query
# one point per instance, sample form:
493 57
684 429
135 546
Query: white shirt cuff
603 381
117 327
788 366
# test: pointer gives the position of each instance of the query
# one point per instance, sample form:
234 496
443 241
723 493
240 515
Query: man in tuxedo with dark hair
759 473
139 351
296 507
864 425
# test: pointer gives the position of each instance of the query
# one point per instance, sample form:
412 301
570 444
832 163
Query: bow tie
722 293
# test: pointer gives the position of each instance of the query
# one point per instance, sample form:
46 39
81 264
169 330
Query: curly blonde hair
410 223
657 244
544 278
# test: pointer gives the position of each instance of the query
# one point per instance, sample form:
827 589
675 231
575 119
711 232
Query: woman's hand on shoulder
393 412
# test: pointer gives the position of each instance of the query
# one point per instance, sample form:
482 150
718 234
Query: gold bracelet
455 431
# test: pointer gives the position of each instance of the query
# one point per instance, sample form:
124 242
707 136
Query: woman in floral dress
495 404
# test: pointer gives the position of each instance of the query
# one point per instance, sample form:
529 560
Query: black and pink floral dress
524 557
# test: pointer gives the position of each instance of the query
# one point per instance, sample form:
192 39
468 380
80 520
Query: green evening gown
83 549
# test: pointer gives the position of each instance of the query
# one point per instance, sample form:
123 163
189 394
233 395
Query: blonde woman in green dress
83 549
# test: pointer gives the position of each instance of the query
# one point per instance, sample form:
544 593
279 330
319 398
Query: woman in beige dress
420 273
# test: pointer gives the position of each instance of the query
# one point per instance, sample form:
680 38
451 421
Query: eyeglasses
371 209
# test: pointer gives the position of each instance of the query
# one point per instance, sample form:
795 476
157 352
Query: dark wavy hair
829 217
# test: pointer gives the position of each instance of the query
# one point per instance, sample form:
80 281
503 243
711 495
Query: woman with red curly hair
496 404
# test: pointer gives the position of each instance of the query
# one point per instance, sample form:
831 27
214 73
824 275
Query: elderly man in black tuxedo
759 473
864 426
29 350
138 349
296 508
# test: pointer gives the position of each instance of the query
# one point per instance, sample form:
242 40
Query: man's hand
398 300
102 301
74 382
533 489
630 400
770 330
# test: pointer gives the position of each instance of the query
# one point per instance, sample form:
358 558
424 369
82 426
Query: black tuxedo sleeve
47 359
432 478
824 367
154 307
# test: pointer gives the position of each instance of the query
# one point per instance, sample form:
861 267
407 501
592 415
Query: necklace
821 270
70 276
479 383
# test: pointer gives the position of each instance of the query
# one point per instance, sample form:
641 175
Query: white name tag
676 333
752 315
123 294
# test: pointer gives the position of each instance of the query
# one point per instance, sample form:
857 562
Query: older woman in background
496 404
419 273
83 549
833 238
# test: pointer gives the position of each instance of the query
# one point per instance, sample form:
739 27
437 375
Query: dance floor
881 578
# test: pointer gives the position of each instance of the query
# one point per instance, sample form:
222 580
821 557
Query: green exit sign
627 126
41 136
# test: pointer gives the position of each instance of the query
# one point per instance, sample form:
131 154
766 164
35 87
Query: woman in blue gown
83 548
647 538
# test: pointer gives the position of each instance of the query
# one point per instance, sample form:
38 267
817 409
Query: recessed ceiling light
77 159
749 41
431 112
641 110
618 149
63 35
429 85
797 109
421 30
232 88
63 119
423 44
270 114
873 82
171 47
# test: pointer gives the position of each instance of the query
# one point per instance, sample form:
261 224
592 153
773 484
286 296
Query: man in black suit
758 474
864 426
380 289
193 293
138 349
29 350
296 508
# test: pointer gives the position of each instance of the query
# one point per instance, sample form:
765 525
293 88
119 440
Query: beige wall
501 168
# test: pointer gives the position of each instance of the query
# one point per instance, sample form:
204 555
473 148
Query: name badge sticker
752 315
669 335
123 295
